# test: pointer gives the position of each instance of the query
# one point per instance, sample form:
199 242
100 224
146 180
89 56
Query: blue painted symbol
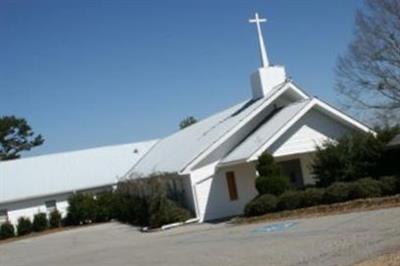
275 227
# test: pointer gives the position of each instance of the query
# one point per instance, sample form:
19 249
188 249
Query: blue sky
89 73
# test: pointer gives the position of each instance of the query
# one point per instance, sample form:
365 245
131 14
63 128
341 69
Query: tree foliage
16 136
188 121
368 74
352 157
270 181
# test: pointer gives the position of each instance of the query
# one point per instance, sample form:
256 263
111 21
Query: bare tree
368 74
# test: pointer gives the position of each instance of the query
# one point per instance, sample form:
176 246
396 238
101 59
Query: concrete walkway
331 240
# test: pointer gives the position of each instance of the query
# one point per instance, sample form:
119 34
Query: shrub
365 188
165 211
352 157
337 192
105 207
275 185
55 219
82 209
270 180
290 200
24 226
266 166
389 185
313 197
131 209
261 205
6 230
39 222
149 201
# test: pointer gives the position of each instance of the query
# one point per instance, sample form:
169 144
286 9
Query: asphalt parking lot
330 240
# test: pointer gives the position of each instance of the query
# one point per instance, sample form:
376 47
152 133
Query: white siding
311 130
213 195
28 208
233 142
306 160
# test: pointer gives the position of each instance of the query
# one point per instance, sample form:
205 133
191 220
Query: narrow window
50 205
3 216
230 179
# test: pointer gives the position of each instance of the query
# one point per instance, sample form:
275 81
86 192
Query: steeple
268 76
263 52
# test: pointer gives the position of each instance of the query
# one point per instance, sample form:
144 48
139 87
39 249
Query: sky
94 73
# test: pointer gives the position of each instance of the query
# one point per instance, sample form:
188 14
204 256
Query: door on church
292 169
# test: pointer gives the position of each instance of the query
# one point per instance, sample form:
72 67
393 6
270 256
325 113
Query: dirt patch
390 259
323 210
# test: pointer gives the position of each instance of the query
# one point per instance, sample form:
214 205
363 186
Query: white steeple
267 77
263 51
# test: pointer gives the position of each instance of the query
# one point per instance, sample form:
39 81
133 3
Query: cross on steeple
263 51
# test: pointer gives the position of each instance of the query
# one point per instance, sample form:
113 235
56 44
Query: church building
214 159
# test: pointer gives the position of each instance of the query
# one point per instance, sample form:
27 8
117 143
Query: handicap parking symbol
279 227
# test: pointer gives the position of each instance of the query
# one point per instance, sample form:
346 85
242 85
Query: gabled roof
266 131
253 146
178 151
66 172
172 153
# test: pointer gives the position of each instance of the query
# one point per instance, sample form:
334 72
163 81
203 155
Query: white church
214 159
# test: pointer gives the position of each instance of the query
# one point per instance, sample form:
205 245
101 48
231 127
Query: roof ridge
264 99
76 151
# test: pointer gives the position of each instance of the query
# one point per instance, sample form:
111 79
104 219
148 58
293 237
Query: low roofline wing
279 91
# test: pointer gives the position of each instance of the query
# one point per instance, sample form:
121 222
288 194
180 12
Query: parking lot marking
275 227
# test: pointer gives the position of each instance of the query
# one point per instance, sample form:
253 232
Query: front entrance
292 169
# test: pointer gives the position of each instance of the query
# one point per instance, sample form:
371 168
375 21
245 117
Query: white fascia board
325 108
226 164
216 144
281 131
342 116
298 90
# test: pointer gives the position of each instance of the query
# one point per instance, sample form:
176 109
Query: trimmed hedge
39 222
6 230
270 180
260 205
55 219
313 197
274 185
366 188
389 185
290 200
338 192
24 226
